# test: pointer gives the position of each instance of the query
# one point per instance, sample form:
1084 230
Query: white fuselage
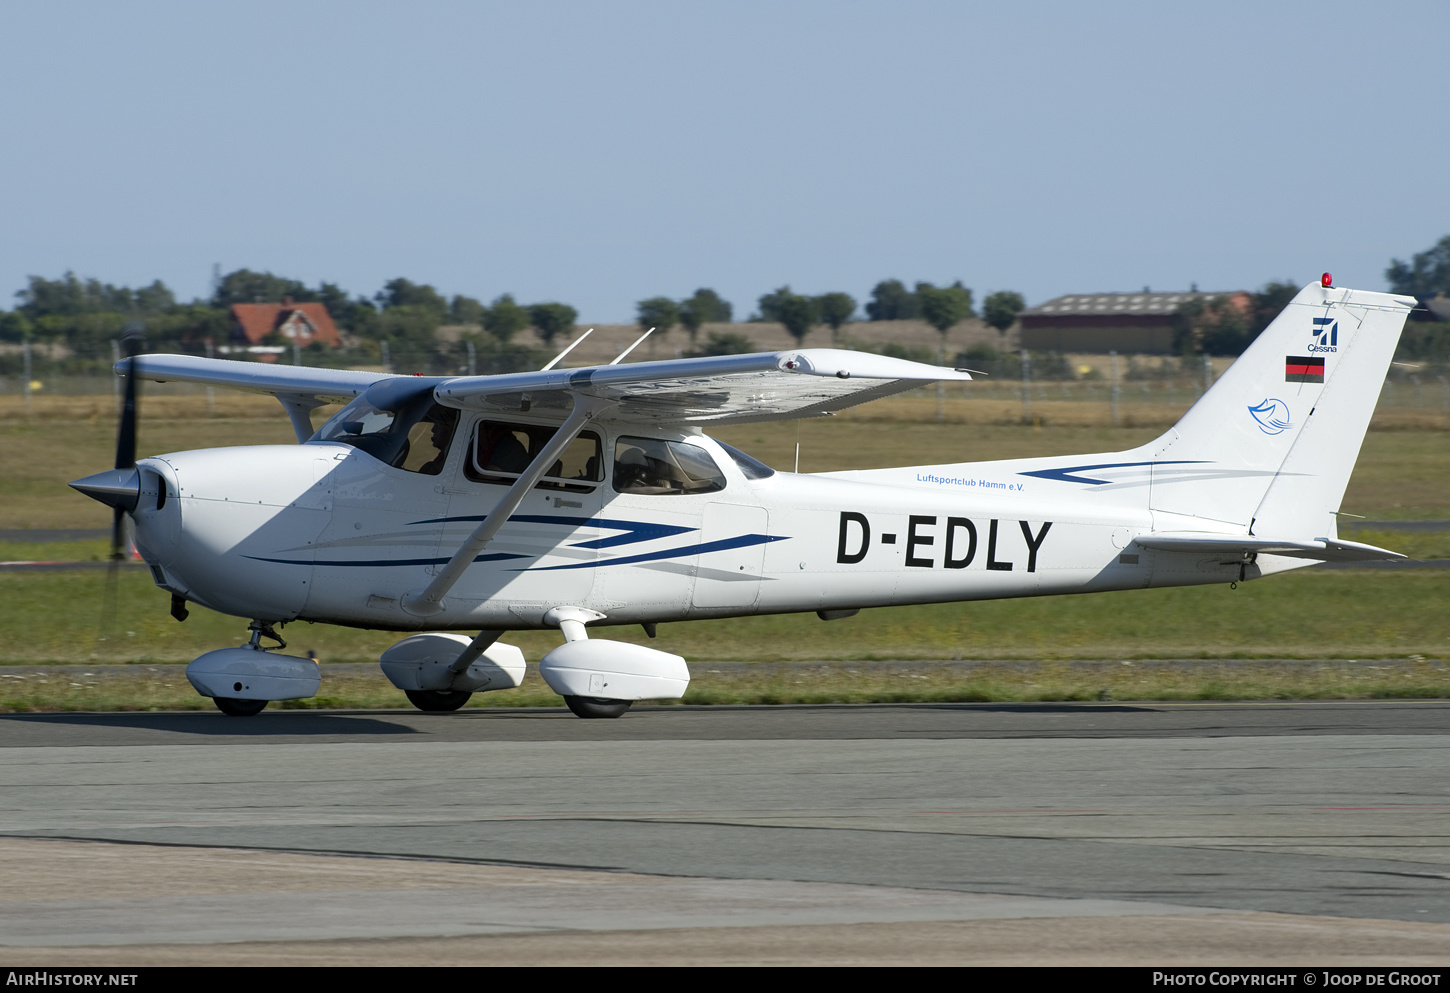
328 533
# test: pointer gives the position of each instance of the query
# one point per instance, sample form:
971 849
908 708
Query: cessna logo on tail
1326 335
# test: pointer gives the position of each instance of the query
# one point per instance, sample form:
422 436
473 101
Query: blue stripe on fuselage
743 541
374 563
634 530
1068 474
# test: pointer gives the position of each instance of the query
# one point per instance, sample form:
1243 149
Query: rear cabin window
500 452
649 465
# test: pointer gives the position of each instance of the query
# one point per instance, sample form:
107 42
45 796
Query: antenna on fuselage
555 360
620 357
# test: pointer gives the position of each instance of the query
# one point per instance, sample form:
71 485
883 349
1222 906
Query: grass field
56 618
1388 632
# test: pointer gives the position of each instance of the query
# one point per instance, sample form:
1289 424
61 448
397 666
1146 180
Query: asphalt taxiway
1109 833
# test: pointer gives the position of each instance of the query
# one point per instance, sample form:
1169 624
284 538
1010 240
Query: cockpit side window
500 451
428 441
654 466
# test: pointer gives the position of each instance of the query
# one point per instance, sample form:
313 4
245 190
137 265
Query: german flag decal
1305 369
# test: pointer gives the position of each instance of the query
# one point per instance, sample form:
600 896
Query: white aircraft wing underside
328 385
726 388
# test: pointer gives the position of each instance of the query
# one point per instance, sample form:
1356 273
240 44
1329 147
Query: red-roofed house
303 323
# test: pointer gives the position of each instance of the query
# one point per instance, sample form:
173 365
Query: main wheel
239 708
437 701
593 706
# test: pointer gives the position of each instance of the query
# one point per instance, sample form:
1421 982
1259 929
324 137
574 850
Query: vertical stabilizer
1273 442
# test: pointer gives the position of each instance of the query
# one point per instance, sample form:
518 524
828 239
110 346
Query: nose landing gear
233 706
242 681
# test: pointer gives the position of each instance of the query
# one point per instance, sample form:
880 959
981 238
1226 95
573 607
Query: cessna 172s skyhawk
569 496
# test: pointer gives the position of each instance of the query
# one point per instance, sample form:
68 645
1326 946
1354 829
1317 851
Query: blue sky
599 153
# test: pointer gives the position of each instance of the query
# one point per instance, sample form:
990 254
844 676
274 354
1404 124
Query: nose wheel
233 707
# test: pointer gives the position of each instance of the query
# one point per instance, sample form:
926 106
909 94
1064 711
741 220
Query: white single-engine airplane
569 496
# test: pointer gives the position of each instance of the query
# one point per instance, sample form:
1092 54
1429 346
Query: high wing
323 385
298 388
716 389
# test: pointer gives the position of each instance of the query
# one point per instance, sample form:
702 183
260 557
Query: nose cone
114 487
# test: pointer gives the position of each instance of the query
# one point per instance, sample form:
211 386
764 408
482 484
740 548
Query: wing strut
428 601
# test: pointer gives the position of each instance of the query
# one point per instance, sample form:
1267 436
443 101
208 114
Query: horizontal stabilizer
1322 549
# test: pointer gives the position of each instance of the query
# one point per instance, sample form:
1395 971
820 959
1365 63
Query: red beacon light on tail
1326 281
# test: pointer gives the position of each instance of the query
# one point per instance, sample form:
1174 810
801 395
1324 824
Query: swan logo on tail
1272 415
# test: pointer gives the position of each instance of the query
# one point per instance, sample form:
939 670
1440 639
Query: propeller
119 488
133 342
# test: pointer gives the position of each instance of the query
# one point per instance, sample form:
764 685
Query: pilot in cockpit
440 423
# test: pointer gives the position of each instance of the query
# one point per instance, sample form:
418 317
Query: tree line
1426 277
403 317
400 321
70 306
941 307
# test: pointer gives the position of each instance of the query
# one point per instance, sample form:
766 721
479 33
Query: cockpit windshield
411 433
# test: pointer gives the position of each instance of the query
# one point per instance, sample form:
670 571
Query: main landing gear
592 706
437 701
584 670
440 671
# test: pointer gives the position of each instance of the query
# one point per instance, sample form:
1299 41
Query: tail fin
1271 445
